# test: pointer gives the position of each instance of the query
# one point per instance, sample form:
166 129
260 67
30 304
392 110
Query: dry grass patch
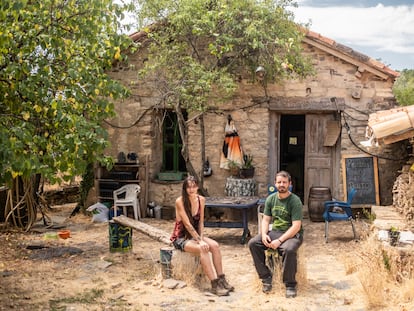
187 267
385 274
278 285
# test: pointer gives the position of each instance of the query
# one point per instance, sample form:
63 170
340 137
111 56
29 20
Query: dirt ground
80 273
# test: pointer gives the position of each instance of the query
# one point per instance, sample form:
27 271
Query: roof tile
350 52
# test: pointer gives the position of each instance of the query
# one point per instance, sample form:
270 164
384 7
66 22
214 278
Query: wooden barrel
317 196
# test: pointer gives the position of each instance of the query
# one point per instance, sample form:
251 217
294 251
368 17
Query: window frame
172 143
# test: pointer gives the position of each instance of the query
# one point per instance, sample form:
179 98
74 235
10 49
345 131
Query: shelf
106 198
128 165
130 181
106 181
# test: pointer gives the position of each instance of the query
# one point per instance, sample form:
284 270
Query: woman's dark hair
188 181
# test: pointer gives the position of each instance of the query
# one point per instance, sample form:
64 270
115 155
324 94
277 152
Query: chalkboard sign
361 173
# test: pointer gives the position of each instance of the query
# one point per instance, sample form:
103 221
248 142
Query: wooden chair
127 196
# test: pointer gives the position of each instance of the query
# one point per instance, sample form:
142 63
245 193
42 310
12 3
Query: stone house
306 127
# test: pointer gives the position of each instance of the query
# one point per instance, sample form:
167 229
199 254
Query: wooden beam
152 232
394 138
332 104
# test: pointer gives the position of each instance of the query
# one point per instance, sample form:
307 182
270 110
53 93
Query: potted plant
234 167
394 236
247 169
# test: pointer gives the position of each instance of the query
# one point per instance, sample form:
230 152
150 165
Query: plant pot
64 234
234 171
247 172
394 237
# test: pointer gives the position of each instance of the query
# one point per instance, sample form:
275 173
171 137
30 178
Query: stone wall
136 129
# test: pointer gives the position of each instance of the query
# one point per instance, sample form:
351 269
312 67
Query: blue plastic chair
339 211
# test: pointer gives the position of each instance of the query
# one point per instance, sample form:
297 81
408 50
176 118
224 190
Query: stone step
387 217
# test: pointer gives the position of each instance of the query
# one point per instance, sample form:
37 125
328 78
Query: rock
173 284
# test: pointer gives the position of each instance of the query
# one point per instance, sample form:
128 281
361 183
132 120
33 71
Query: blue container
111 213
120 238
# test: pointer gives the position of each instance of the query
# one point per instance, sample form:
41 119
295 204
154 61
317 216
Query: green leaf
51 65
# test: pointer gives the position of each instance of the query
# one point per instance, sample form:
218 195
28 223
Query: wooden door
320 163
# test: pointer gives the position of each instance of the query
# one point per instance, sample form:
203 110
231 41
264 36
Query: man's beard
282 190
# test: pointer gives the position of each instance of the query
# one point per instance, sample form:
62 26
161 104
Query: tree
54 92
404 88
199 49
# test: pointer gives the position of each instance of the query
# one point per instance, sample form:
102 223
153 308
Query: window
172 160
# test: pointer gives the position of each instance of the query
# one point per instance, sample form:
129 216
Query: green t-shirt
283 211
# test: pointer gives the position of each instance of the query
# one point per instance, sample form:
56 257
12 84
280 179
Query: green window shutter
172 160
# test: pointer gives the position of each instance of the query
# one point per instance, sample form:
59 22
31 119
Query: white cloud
384 28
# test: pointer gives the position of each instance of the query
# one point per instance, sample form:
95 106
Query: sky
382 30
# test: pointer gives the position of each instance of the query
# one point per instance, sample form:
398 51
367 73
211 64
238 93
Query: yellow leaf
37 108
96 92
117 53
26 116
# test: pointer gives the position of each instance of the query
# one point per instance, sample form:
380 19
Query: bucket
165 259
317 196
157 212
120 237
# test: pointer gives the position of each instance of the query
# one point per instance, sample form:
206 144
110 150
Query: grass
386 275
88 297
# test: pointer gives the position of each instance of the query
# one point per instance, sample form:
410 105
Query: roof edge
325 41
311 35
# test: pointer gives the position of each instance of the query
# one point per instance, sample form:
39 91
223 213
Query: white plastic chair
126 196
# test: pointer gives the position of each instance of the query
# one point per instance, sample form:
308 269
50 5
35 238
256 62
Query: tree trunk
182 125
203 155
23 201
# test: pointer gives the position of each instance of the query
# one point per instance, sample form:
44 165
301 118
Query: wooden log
392 122
183 266
152 232
399 123
394 138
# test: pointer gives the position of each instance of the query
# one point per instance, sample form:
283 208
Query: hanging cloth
231 150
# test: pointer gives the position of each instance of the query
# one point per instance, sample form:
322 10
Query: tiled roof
351 53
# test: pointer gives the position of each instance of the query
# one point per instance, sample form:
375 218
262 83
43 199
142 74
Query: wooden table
240 203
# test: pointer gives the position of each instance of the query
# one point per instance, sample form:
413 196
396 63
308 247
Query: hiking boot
266 285
224 283
218 289
290 292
